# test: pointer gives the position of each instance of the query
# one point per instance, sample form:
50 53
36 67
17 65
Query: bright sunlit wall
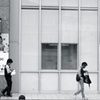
56 36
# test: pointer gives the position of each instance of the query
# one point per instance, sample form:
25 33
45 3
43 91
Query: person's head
84 64
22 97
9 61
0 40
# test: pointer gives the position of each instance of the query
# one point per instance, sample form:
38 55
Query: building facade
4 30
49 39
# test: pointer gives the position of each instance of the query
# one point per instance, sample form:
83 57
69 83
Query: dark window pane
49 56
69 56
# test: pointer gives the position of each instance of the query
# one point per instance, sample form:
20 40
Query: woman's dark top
7 75
82 74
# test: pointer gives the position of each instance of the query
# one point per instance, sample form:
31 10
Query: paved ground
60 96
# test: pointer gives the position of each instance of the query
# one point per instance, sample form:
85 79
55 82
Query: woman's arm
79 72
8 69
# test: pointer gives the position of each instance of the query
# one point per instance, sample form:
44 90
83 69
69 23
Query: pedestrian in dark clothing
8 77
81 74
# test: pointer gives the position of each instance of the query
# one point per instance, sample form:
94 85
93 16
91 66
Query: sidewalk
60 96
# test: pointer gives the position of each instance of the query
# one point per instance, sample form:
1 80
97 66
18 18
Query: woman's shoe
84 98
9 95
74 96
3 93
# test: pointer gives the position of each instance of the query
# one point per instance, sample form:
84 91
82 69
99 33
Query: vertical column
20 37
78 36
98 46
59 49
39 60
14 40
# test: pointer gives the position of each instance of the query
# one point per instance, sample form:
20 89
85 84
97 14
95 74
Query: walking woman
82 80
8 70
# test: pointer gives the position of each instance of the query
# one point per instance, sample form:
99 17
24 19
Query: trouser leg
9 86
5 90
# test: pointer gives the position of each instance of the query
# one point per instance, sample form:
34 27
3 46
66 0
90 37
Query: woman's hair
84 64
1 37
9 61
22 97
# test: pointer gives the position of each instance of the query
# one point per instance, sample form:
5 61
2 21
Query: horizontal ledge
39 71
26 6
57 8
89 8
41 8
49 7
46 72
29 71
30 7
69 8
54 71
82 8
71 71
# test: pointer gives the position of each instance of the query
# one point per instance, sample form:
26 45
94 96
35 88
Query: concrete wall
5 15
9 12
14 41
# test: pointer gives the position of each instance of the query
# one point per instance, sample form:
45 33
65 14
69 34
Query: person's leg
78 92
5 90
83 95
10 86
8 91
82 88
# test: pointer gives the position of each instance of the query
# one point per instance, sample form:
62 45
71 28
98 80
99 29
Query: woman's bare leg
82 88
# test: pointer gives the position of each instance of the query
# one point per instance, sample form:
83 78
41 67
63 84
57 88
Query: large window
49 56
69 56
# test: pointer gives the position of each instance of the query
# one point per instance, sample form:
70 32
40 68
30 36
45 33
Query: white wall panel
49 26
30 21
29 63
69 2
68 81
30 2
88 39
49 2
49 81
89 3
29 82
29 40
69 26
